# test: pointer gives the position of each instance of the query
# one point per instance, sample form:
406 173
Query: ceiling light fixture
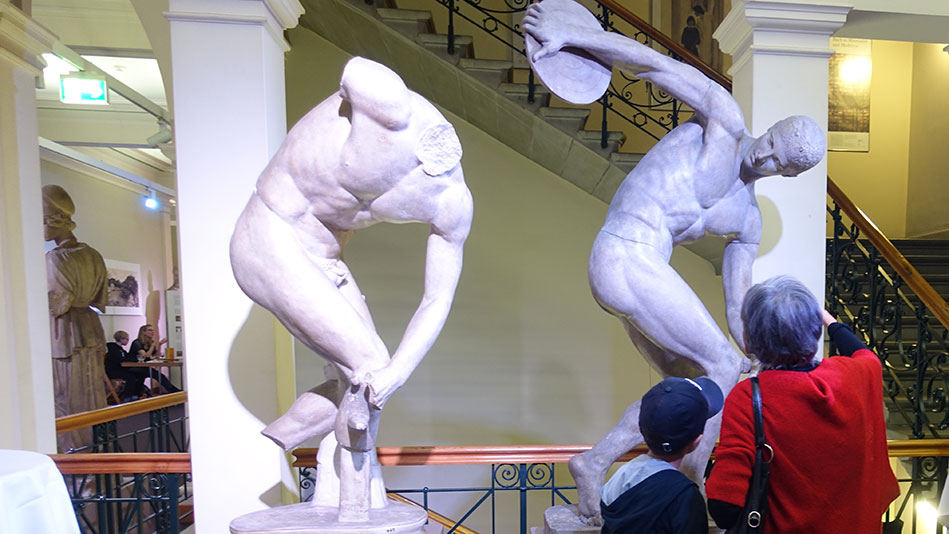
151 202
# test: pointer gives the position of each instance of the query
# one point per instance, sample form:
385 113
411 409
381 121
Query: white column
26 375
230 117
780 52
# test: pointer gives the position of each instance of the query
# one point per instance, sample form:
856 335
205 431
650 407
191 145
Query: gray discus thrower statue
699 179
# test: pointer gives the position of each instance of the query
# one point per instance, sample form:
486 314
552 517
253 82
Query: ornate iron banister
668 42
94 417
934 303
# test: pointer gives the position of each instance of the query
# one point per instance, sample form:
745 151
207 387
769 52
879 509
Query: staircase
481 91
886 314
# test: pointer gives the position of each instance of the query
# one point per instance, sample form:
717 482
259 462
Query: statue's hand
542 25
382 384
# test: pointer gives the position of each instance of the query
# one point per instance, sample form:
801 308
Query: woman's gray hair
782 321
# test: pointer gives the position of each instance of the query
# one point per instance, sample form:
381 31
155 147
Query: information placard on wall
848 101
173 321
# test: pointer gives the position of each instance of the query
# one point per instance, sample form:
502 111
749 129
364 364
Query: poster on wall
693 22
124 287
848 99
173 320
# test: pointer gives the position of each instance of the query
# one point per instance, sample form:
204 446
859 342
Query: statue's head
790 147
58 209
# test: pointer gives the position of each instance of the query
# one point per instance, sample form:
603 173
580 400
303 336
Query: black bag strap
756 408
757 494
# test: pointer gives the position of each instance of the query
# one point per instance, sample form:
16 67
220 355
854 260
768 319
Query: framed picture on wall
848 101
125 288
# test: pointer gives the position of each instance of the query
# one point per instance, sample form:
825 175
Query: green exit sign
83 90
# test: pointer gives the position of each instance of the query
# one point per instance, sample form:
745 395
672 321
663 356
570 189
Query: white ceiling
108 34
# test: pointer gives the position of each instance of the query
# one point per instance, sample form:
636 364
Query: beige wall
877 180
112 220
928 195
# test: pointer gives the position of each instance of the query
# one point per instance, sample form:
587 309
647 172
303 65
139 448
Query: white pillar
230 117
780 52
26 374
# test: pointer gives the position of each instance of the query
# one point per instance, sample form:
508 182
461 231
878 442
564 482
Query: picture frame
124 285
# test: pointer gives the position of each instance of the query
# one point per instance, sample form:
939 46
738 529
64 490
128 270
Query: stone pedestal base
564 520
305 518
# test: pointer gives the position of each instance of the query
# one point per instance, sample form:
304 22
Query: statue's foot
589 481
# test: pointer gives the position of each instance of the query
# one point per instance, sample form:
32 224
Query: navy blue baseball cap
674 411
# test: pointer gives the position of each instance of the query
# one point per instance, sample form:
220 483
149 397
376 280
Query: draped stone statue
76 281
698 180
372 152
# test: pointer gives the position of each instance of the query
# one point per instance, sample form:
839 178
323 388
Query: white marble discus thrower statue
372 152
699 179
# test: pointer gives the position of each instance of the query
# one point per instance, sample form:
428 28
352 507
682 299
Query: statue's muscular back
354 161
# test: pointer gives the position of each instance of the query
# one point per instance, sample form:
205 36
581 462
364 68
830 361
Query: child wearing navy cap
649 494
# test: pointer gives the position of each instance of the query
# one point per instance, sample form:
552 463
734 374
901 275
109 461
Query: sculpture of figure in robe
76 281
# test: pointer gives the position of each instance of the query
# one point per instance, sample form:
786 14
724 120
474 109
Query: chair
113 386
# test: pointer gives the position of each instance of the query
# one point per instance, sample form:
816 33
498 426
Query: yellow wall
928 195
876 180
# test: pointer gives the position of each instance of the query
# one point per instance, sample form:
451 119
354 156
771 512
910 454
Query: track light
150 201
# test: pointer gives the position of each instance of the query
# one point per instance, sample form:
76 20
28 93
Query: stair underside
356 30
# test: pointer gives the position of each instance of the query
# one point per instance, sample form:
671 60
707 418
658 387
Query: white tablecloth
33 497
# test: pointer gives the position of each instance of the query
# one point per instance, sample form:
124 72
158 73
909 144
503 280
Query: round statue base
564 520
306 518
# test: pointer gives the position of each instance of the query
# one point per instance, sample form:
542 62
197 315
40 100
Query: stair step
592 138
369 5
409 22
519 93
491 72
438 43
625 160
570 120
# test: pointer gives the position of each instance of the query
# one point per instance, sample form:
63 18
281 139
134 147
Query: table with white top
33 496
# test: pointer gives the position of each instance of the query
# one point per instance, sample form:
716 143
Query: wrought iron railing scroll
628 98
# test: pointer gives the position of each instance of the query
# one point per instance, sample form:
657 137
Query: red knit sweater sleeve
735 454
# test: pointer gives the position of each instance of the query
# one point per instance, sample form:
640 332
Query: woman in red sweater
822 417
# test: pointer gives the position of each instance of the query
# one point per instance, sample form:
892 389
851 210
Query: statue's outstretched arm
678 79
736 279
443 261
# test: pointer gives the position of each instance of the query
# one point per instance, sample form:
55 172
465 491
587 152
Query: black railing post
604 102
172 485
451 27
530 86
921 363
873 273
522 488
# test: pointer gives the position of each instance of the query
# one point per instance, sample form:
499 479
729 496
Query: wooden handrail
128 409
123 463
450 455
516 454
667 42
930 298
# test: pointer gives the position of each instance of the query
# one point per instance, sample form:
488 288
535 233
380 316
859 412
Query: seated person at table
134 377
145 347
648 494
